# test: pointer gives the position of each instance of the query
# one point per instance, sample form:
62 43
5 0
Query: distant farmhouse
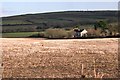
80 33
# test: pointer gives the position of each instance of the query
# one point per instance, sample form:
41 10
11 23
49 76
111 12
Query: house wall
83 33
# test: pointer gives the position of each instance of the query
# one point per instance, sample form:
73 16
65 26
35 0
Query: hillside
67 19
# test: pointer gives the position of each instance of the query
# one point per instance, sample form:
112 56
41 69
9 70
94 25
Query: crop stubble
39 58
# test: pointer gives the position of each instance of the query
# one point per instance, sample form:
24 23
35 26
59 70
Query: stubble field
39 58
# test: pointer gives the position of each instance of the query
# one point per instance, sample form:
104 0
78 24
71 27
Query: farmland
40 58
61 24
18 34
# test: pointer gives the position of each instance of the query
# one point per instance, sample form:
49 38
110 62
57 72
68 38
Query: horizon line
54 12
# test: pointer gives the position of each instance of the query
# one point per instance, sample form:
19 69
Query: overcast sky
59 0
12 7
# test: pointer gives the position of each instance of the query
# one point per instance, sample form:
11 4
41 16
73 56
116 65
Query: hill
66 19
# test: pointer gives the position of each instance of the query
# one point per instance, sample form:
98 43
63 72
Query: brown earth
38 58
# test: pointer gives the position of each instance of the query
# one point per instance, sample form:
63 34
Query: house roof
81 30
78 30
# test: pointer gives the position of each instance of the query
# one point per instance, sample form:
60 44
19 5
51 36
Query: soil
39 58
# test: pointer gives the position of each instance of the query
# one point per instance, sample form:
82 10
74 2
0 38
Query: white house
80 33
83 33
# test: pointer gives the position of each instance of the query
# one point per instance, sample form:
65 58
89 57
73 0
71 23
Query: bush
94 33
56 33
70 34
40 34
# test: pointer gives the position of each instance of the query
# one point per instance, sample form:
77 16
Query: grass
18 34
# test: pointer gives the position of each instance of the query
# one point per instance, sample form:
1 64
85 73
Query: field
18 34
39 58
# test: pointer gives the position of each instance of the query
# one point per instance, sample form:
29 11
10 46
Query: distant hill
66 19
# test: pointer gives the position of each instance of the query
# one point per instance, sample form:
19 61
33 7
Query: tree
100 24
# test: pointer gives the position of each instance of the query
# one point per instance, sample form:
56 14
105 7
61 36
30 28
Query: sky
13 7
59 0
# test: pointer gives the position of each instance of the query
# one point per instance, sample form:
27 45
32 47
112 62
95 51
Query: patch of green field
18 34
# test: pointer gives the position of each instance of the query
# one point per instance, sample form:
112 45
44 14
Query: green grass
18 34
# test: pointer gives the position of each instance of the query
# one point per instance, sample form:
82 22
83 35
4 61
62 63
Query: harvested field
39 58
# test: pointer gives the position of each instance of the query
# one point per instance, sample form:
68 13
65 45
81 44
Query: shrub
40 34
94 33
70 34
55 33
